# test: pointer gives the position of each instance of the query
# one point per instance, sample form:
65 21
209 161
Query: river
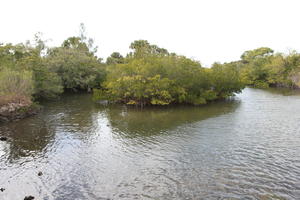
247 147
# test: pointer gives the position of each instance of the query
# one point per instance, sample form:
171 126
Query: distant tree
115 58
81 42
261 68
248 56
142 48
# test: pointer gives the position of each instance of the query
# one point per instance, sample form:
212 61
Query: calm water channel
245 148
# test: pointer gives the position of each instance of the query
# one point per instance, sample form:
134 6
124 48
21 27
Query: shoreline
16 111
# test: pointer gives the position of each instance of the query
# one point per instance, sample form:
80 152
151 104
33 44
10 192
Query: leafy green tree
47 83
6 57
29 58
115 58
149 77
77 70
262 52
254 71
76 64
261 68
226 79
142 48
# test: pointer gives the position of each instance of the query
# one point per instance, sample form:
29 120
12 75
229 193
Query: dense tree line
32 71
150 75
263 68
147 75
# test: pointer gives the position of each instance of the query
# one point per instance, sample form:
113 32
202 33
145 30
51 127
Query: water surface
244 148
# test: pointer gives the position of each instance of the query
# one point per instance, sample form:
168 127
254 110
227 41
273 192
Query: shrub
15 86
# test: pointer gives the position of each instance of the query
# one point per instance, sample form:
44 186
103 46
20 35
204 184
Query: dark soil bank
15 111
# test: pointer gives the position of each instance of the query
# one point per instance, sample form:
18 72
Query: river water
245 148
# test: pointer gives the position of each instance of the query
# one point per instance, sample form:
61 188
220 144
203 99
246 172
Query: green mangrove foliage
148 75
78 69
49 71
152 76
115 58
262 68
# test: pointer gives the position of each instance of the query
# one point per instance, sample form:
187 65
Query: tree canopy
147 75
152 76
262 68
50 71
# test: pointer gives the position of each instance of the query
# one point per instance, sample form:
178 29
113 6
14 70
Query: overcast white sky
205 30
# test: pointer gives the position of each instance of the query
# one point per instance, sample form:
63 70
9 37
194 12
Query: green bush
77 70
15 86
16 83
47 84
149 77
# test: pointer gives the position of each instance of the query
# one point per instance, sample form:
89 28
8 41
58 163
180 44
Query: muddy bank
15 111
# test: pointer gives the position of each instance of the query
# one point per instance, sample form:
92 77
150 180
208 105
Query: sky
204 30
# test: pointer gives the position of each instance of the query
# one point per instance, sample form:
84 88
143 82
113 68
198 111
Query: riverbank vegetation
262 68
147 75
150 75
33 71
